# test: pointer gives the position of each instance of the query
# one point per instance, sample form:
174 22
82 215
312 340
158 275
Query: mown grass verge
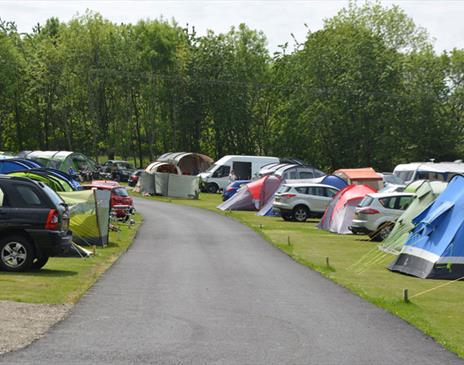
65 280
358 265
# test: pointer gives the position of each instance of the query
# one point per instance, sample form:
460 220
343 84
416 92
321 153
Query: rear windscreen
366 202
283 189
121 192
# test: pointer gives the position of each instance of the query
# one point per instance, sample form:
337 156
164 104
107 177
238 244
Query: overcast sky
444 19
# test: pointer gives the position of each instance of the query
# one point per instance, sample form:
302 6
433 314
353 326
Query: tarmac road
200 288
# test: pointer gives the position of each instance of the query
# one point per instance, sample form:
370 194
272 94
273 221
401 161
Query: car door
318 198
5 216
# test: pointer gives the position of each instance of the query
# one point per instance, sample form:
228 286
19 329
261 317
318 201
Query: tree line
366 89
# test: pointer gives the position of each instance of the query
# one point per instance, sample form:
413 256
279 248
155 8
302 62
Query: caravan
244 167
440 171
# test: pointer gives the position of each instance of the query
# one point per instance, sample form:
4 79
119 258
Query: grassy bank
356 264
65 280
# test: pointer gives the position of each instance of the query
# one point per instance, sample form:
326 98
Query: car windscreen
125 165
393 179
212 167
406 176
366 201
120 192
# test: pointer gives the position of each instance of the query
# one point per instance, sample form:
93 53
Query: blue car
232 188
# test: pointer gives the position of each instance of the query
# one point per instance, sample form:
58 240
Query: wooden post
288 241
327 262
405 296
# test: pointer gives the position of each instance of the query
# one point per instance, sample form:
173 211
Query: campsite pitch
357 264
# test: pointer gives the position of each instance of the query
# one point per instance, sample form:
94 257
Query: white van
245 168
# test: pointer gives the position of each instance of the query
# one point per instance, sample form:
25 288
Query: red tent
340 212
253 195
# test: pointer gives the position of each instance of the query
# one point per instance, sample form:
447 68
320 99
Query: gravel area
23 323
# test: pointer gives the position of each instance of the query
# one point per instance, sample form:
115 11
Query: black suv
119 170
34 224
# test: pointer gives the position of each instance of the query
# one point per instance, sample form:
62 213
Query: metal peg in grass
405 295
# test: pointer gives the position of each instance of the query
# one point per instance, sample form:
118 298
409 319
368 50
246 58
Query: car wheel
287 217
212 188
16 254
382 232
39 262
300 213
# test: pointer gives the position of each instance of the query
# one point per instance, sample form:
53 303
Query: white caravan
440 171
244 167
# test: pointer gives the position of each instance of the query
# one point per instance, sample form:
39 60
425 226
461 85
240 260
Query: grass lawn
65 280
356 264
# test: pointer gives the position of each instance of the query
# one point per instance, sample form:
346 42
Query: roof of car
387 195
295 185
102 184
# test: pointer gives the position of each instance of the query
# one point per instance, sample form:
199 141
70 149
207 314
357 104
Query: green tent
62 160
425 193
54 182
90 213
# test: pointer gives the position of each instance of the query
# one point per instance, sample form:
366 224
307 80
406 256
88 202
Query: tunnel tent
52 180
435 246
340 212
425 193
65 161
166 167
189 163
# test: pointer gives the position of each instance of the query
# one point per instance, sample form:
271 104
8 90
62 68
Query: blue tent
435 246
17 164
335 181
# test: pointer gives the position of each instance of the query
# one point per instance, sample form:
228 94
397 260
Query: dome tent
340 212
254 195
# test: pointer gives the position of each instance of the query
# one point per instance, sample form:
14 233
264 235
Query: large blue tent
435 246
17 164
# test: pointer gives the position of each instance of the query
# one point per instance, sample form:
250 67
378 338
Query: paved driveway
200 288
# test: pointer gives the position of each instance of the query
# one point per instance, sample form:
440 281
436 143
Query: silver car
299 201
377 213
